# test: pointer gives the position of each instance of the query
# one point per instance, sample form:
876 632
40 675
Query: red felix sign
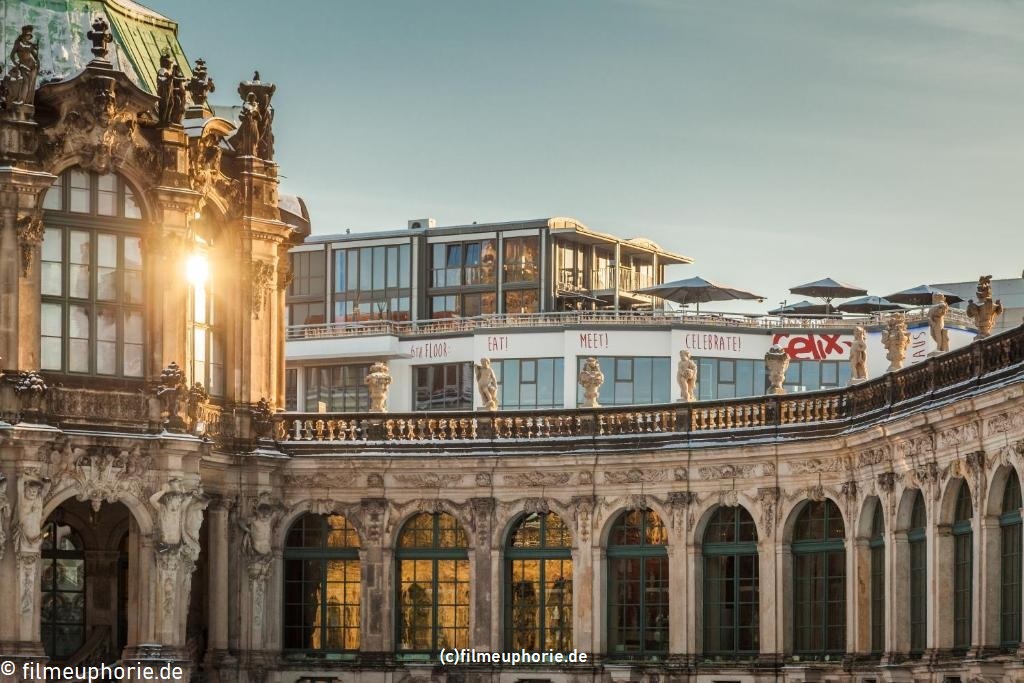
813 346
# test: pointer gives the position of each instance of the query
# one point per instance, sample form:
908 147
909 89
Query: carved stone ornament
731 471
679 503
263 419
873 456
171 392
635 476
686 377
264 512
99 473
768 499
373 513
486 384
591 378
937 323
378 381
19 84
30 236
322 480
859 356
583 512
201 84
31 390
536 479
895 339
429 480
1005 422
776 361
816 465
958 436
984 311
100 37
5 514
260 276
255 135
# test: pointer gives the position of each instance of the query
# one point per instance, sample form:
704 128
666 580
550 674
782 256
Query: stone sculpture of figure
377 381
895 339
177 108
776 361
259 528
200 85
266 144
5 514
985 311
248 134
859 356
164 86
937 323
29 534
591 379
20 82
686 377
169 503
486 384
193 521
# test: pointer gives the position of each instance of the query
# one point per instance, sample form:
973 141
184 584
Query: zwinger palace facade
157 503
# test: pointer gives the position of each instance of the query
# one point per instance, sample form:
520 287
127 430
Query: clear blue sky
877 141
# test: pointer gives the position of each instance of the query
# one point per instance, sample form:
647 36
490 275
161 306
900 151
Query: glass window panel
79 183
106 341
107 195
131 207
79 257
378 268
54 197
78 343
404 265
51 327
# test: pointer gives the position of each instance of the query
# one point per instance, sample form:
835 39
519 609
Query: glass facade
521 259
731 600
62 611
307 290
448 385
729 378
539 589
811 375
529 382
373 283
433 585
1010 565
454 264
91 284
638 589
630 380
322 585
819 582
341 388
918 545
963 566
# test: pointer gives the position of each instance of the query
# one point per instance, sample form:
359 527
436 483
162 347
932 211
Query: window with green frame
538 589
638 586
876 545
1010 565
918 546
731 592
321 585
963 567
62 611
819 582
433 585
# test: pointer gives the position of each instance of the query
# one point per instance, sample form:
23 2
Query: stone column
897 594
586 601
770 558
219 582
940 586
377 599
985 603
858 594
684 577
483 595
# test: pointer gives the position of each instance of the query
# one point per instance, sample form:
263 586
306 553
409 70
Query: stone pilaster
587 596
488 607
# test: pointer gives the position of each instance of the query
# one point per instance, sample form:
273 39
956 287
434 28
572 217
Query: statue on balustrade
20 81
378 380
859 356
776 361
686 377
937 323
985 311
895 339
591 379
487 384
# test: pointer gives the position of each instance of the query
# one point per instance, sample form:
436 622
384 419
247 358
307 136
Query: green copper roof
140 35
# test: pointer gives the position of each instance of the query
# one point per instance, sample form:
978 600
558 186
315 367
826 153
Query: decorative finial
200 85
100 36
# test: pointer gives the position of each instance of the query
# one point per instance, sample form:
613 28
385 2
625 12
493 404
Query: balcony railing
987 362
426 328
629 280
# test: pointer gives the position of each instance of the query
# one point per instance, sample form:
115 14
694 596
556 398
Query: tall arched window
819 582
876 544
205 324
433 585
1010 564
321 585
91 313
638 590
918 547
731 628
539 585
963 567
62 614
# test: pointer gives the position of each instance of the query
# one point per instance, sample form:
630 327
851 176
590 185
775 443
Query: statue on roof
20 81
248 136
937 323
200 85
177 108
100 37
686 377
895 339
163 89
859 356
985 311
486 384
255 136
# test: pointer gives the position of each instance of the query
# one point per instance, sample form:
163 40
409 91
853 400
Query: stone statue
163 89
937 323
591 379
378 380
248 135
177 108
985 311
100 36
686 377
200 85
169 503
895 339
5 514
29 534
258 530
859 356
486 384
776 361
265 149
20 82
255 136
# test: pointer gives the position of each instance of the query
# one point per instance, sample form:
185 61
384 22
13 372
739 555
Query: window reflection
819 581
638 590
62 611
539 570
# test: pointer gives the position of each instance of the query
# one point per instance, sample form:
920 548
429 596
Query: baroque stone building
156 504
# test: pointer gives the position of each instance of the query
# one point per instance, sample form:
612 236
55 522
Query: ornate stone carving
174 526
634 476
1005 422
20 81
100 473
30 236
171 392
591 378
816 493
583 508
378 380
985 311
100 37
201 84
873 456
255 136
776 361
681 474
170 91
260 276
5 514
538 506
263 419
679 503
373 511
374 480
918 445
816 465
429 480
483 514
258 525
32 491
729 499
27 580
31 390
323 480
585 478
895 339
937 323
686 377
483 478
486 384
734 471
768 500
859 356
959 435
886 482
849 490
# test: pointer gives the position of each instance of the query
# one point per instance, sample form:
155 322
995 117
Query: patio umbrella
696 290
868 304
799 308
828 289
922 296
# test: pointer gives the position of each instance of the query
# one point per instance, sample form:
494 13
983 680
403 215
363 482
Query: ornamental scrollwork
536 479
261 274
30 236
634 476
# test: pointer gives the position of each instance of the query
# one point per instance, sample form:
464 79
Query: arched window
539 585
731 627
918 547
638 590
321 585
1010 564
876 544
963 566
91 311
206 326
62 614
433 585
819 582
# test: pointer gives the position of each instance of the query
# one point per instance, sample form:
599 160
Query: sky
879 142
